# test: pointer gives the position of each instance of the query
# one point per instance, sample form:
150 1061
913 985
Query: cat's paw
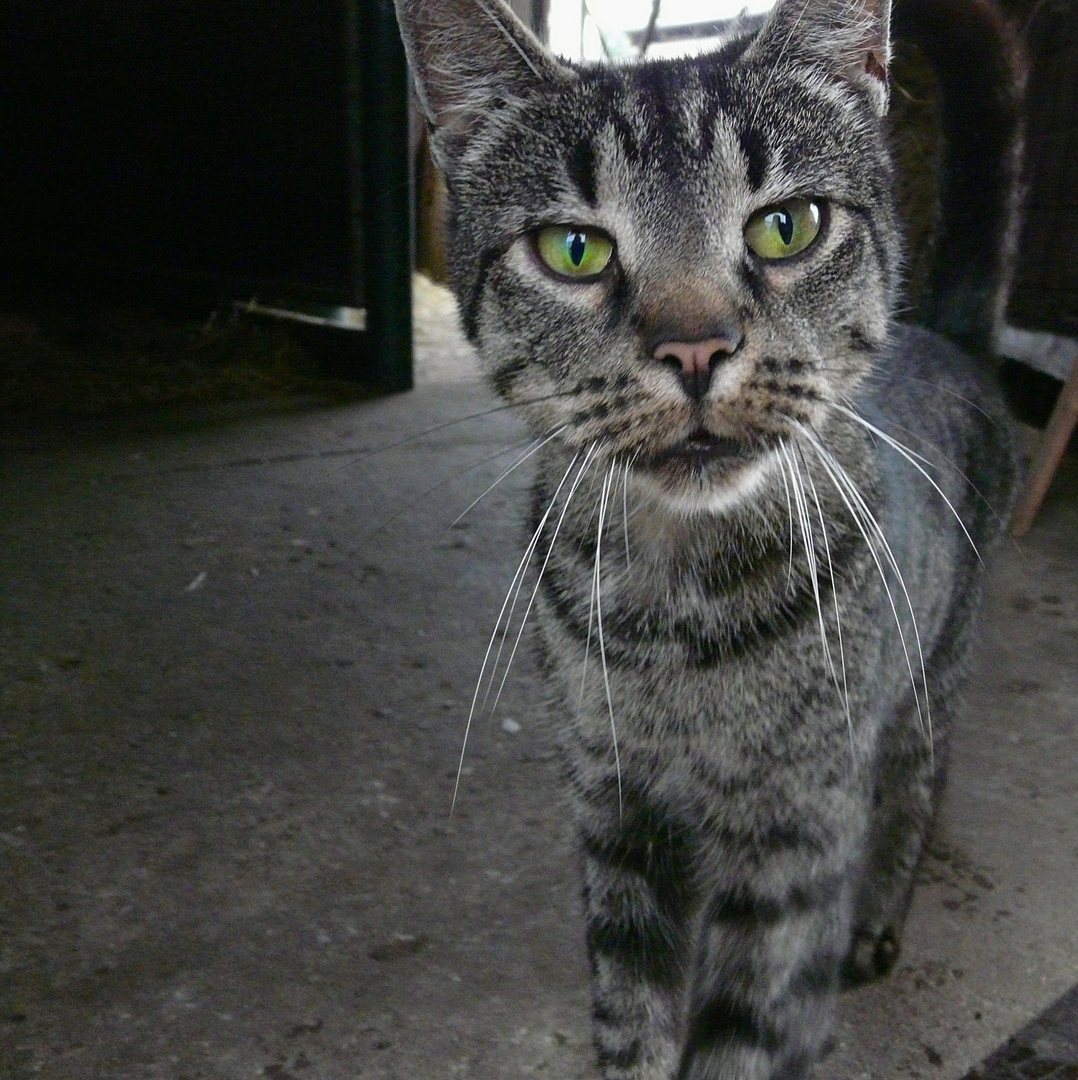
872 955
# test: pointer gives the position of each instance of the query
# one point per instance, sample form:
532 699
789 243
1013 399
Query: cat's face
675 262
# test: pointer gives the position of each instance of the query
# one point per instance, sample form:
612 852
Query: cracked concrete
236 654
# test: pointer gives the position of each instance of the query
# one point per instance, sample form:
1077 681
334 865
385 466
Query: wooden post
387 196
1053 443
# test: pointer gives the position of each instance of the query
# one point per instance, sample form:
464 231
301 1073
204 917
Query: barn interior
246 588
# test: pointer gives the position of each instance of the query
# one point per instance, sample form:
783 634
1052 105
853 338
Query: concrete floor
236 654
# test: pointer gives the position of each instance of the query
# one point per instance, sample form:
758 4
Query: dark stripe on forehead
581 167
817 134
623 129
653 83
661 88
754 147
716 87
602 91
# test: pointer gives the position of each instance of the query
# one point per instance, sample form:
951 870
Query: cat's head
679 261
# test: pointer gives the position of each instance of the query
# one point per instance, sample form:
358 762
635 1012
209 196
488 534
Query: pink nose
696 360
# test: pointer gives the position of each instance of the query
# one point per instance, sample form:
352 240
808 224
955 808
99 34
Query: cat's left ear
851 38
468 57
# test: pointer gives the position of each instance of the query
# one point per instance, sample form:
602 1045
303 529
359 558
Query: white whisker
419 499
599 622
518 585
591 622
940 389
801 500
999 518
790 518
866 522
587 649
509 37
539 580
514 588
383 448
915 460
844 689
533 448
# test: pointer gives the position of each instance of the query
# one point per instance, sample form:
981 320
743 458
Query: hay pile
89 361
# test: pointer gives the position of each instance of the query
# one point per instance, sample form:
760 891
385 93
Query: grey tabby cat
755 509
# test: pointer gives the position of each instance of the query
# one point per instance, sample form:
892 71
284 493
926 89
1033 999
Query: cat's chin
705 473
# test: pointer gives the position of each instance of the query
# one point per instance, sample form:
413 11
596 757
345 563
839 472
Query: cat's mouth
702 453
703 447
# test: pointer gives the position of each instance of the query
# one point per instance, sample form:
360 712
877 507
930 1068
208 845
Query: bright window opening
615 29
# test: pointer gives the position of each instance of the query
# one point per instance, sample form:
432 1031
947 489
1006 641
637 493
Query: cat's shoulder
920 365
944 404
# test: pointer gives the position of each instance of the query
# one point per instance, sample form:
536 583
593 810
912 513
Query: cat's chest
683 673
700 596
730 619
667 608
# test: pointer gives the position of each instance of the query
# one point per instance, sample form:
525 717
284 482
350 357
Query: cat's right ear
468 57
849 38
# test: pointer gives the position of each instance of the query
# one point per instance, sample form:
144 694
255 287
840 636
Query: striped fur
753 647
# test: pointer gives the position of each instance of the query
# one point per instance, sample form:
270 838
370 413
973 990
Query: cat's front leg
766 982
637 896
909 783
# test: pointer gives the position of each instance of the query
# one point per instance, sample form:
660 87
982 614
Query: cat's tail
979 64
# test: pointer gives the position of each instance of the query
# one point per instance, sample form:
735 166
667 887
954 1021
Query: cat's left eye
574 252
785 229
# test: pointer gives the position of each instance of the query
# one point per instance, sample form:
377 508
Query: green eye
574 252
784 230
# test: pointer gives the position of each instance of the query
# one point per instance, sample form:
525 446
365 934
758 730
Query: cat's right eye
785 229
574 252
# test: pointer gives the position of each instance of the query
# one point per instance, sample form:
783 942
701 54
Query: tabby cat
756 509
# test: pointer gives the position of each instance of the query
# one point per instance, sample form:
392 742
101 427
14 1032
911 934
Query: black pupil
785 223
577 242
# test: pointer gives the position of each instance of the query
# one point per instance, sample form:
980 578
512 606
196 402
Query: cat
757 504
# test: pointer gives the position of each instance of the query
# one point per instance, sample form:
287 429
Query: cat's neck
793 499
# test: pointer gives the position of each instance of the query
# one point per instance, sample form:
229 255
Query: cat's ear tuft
851 38
468 58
